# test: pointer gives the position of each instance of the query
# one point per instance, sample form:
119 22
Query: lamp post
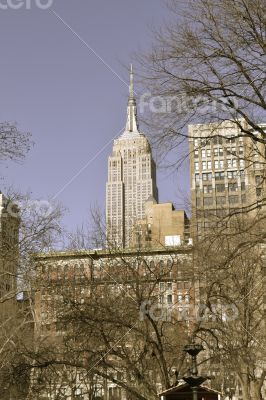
194 380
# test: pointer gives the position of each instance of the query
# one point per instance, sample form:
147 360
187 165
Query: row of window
219 188
219 164
218 151
207 176
216 140
169 299
220 200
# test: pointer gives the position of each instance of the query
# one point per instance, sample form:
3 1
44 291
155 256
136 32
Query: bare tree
112 318
14 144
207 64
231 322
33 226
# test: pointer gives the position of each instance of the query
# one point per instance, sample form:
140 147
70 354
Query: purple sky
55 87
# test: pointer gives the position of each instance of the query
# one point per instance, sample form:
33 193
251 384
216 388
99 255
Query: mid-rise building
67 282
131 179
227 173
163 226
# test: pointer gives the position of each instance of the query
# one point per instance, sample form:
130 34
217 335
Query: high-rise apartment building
227 172
131 179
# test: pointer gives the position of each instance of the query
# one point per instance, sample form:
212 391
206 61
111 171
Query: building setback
131 179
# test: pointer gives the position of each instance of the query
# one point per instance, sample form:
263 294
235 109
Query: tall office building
131 179
227 173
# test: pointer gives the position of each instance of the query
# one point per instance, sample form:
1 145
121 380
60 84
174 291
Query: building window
198 202
218 164
218 151
203 153
242 163
232 187
243 186
233 151
233 199
152 265
161 267
220 187
169 299
219 176
231 174
258 180
208 201
220 200
221 213
169 286
207 189
196 166
217 140
231 163
196 153
207 176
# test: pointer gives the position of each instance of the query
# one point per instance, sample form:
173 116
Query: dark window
207 188
258 179
207 176
169 299
161 267
208 201
232 187
219 176
217 140
231 174
220 187
220 200
233 199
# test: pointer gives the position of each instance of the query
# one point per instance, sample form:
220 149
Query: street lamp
194 380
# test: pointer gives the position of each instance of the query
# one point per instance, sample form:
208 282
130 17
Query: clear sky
62 73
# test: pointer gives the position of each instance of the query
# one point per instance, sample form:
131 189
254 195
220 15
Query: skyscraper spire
132 122
131 86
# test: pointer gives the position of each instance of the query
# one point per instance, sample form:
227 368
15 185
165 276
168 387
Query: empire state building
131 179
